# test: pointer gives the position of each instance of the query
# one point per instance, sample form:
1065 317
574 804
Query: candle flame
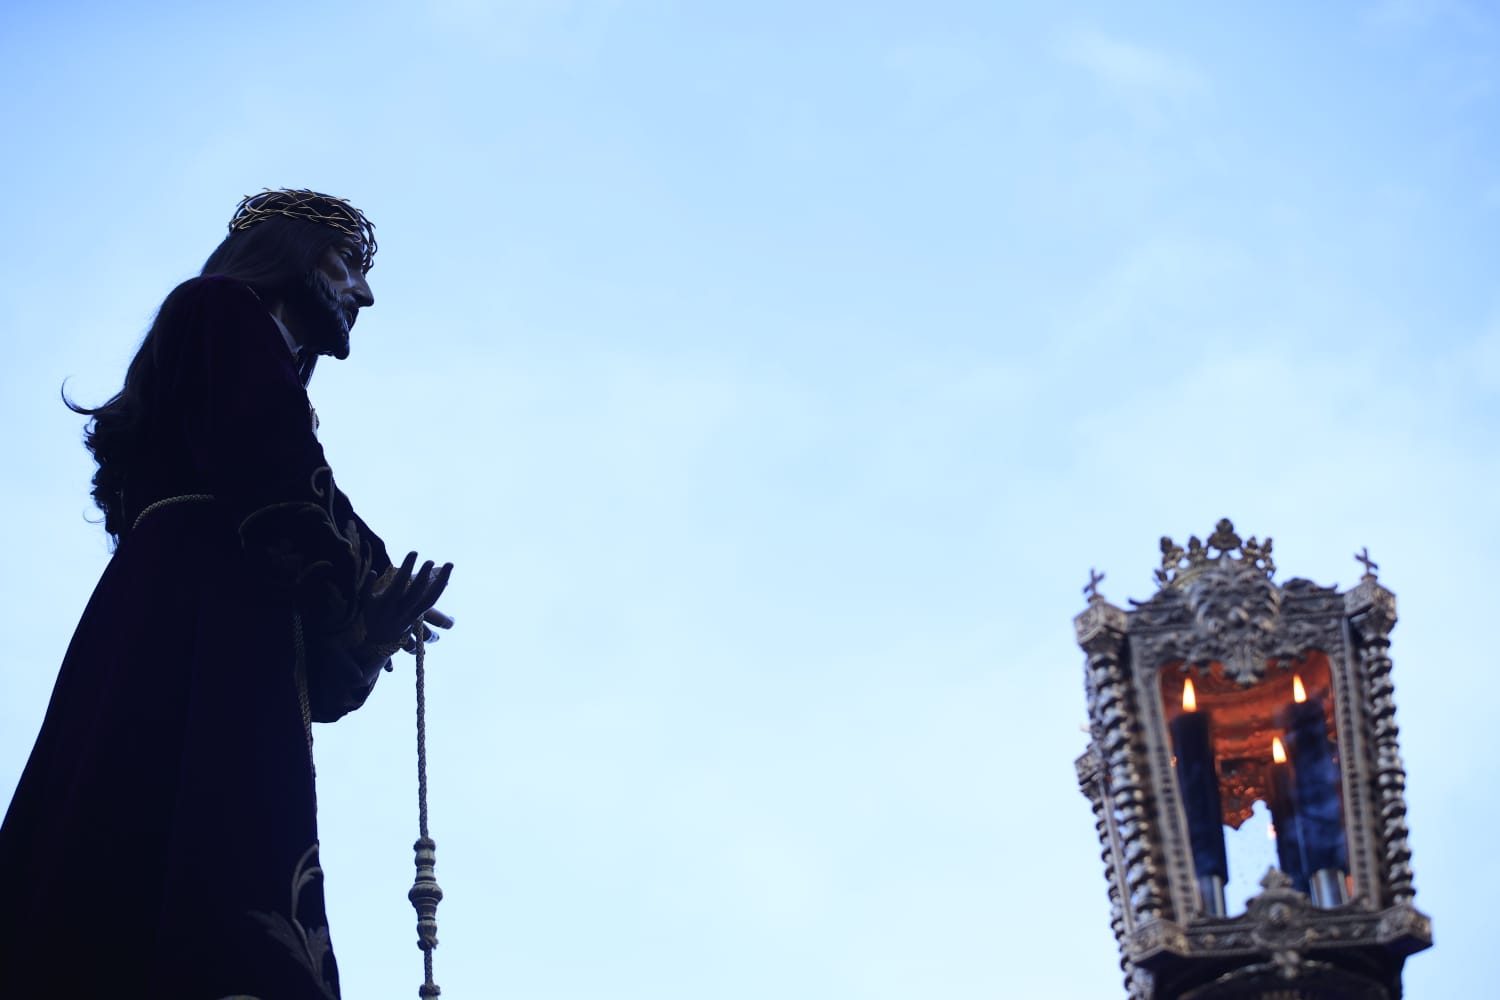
1299 693
1189 696
1278 752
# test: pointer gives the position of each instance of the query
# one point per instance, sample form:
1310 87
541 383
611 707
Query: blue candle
1281 797
1198 781
1320 821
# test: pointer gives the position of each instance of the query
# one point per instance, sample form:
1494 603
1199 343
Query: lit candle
1198 781
1320 821
1281 798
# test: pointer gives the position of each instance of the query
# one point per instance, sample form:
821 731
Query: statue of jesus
162 842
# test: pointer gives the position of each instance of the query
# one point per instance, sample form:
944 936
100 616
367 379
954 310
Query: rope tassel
425 893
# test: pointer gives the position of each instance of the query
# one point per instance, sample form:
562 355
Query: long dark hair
274 258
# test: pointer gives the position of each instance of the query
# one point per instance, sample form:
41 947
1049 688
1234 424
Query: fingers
418 633
436 587
409 642
403 607
392 583
426 587
415 600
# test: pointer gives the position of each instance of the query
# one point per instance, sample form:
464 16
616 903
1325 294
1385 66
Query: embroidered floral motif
309 947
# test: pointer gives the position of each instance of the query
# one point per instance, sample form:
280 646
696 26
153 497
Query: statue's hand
399 601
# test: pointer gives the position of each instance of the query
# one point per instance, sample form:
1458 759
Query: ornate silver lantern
1228 702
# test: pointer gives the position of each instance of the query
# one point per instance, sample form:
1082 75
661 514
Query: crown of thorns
311 206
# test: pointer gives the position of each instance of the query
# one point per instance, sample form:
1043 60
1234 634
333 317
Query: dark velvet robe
162 841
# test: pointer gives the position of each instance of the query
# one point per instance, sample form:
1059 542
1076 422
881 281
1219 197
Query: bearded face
322 311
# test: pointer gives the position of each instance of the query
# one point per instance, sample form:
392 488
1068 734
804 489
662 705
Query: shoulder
215 303
214 292
220 322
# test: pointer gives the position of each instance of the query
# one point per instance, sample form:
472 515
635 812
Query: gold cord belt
168 501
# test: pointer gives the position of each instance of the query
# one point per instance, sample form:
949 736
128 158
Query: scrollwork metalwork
1235 609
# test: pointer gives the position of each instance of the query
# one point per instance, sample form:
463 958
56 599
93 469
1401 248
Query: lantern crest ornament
1179 565
1225 701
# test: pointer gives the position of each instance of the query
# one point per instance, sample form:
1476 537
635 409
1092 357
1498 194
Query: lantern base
1308 981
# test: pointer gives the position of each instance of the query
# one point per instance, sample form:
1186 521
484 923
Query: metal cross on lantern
1092 590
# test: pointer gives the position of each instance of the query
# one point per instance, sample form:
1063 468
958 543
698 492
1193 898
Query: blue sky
774 374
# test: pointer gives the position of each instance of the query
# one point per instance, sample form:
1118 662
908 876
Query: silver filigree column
1372 614
1117 782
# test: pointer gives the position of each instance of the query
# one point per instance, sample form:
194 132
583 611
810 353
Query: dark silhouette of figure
162 840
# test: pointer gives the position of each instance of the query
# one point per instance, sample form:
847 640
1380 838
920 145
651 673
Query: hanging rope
425 893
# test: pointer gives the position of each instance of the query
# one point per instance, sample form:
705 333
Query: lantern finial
1178 566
